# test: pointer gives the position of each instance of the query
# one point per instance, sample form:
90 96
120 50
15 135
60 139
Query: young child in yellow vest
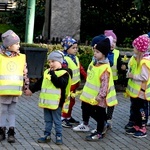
55 89
117 67
72 61
13 76
98 91
138 86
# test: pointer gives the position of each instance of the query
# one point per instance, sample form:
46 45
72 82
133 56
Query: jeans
50 117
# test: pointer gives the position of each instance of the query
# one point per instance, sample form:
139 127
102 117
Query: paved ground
30 126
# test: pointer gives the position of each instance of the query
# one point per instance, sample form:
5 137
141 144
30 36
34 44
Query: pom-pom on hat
67 42
97 39
56 55
110 33
141 43
104 46
9 38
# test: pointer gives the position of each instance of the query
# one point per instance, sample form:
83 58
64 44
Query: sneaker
110 123
59 140
73 121
81 127
129 125
132 130
148 122
106 127
66 123
140 133
94 137
44 139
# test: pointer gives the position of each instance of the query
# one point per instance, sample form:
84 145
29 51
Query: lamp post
30 15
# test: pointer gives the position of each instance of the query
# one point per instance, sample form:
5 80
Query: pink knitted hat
110 33
141 43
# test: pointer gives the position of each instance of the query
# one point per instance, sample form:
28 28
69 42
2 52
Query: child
71 61
13 72
117 67
138 86
84 127
55 89
99 78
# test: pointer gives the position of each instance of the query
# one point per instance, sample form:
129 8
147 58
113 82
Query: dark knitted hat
97 39
104 46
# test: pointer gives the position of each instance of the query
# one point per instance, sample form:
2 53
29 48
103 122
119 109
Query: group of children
63 77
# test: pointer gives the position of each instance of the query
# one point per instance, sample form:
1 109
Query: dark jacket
59 82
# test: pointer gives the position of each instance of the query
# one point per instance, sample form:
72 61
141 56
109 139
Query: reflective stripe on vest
134 87
75 69
92 85
114 67
11 75
50 95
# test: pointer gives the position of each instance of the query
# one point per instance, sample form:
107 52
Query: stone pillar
65 18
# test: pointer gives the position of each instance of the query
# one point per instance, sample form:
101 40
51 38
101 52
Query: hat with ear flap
104 46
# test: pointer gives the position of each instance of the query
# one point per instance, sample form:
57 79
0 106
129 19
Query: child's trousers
7 111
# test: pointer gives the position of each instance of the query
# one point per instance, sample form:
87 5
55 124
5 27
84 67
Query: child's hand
28 92
123 67
129 75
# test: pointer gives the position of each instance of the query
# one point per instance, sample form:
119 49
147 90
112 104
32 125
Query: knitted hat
56 55
9 38
141 43
97 39
67 42
110 33
104 46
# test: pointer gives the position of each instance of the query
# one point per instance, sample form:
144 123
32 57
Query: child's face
53 64
98 55
73 49
113 46
135 51
14 47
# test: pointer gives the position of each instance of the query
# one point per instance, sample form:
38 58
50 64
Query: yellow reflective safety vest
134 87
75 69
114 67
11 74
50 95
92 85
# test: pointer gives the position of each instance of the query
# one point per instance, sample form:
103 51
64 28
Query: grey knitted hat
9 38
56 55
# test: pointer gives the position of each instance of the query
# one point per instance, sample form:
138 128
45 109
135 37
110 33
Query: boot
2 133
11 133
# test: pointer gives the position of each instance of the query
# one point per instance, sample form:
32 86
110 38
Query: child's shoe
11 133
59 140
109 123
73 121
148 122
45 139
94 137
66 123
2 133
106 127
140 133
132 130
129 125
81 127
